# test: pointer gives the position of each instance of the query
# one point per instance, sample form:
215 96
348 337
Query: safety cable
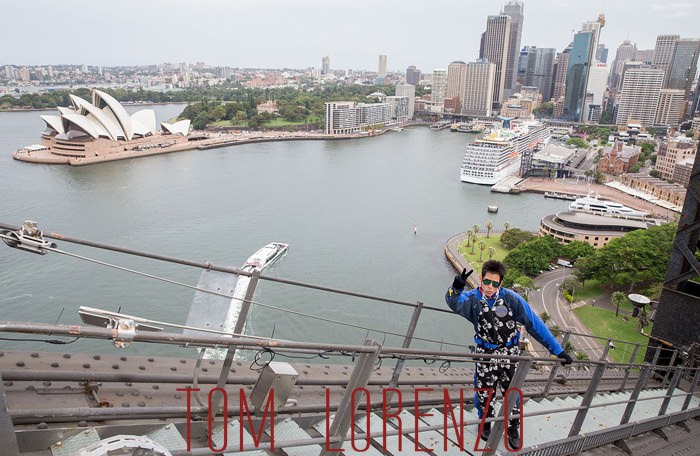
216 293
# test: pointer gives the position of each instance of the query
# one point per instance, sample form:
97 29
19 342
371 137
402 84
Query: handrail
214 267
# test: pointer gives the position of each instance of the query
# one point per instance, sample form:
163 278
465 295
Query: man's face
490 283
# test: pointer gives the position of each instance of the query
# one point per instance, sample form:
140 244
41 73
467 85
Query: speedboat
266 256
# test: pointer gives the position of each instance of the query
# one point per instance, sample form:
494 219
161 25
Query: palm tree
474 237
618 298
475 229
569 347
492 252
469 236
581 356
545 317
554 329
489 227
506 226
482 247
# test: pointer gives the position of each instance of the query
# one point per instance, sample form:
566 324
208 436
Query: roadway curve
548 298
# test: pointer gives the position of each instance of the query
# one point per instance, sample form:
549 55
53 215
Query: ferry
594 204
490 159
440 125
265 256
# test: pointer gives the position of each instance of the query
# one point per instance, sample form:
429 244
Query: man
494 312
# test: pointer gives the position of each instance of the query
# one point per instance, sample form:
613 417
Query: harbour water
347 209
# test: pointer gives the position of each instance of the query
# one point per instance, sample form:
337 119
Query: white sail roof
182 127
104 117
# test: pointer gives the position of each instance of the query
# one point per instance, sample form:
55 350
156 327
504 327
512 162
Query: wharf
508 185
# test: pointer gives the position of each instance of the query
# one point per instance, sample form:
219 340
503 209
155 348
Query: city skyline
275 34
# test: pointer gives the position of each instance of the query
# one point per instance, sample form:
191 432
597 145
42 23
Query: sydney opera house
102 131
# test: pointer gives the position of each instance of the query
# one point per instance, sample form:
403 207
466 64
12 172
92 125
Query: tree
578 142
533 256
482 247
469 236
618 298
545 317
492 252
475 229
489 227
474 238
635 168
655 173
577 249
506 225
569 347
637 257
511 238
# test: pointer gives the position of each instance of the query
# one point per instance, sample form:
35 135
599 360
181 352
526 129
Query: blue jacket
468 305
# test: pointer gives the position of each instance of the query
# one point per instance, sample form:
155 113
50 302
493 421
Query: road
547 298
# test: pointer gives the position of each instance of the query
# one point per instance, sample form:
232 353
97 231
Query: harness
496 329
489 346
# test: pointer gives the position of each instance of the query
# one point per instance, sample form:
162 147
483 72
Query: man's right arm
455 298
458 302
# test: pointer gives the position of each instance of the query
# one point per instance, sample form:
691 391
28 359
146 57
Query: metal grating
604 437
562 447
287 430
169 437
650 425
73 444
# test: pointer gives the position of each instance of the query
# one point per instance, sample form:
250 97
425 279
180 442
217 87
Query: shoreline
219 140
126 103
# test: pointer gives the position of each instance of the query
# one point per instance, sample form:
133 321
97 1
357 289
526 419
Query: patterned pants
493 373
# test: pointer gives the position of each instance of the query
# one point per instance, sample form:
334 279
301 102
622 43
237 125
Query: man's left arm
523 313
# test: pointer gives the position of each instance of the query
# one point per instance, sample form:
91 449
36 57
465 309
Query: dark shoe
486 432
514 436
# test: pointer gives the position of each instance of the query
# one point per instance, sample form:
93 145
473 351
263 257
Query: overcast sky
298 33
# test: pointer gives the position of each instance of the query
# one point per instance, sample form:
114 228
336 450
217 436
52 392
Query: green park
634 263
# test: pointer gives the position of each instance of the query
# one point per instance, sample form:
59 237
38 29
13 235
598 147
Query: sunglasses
495 283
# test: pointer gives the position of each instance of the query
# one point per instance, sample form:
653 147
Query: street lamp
639 301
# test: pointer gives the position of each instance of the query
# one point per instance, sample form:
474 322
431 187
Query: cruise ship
594 204
494 157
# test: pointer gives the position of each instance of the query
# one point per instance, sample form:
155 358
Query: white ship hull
491 177
491 159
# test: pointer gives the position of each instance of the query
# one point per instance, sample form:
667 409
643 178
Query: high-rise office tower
671 107
412 75
663 52
522 66
601 53
596 27
325 65
683 66
478 88
561 64
625 51
597 83
495 42
644 56
513 9
582 55
382 66
540 70
639 97
456 72
577 74
407 90
439 86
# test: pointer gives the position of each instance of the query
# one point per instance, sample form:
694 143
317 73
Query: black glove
565 358
461 280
